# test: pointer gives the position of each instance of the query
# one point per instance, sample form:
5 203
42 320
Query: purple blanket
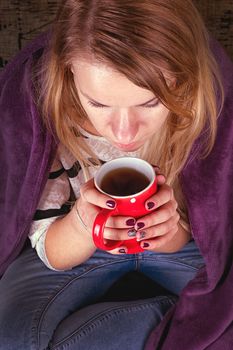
203 316
26 152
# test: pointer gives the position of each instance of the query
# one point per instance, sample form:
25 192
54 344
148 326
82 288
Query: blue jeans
45 309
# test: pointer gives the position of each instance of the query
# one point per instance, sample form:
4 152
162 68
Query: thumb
160 177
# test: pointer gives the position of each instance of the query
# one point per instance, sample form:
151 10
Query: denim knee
112 325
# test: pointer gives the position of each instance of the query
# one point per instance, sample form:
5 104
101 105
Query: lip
133 146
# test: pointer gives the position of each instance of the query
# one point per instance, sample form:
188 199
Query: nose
124 125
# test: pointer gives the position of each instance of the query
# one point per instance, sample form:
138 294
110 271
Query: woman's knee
112 325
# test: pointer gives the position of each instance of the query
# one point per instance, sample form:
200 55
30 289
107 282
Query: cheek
154 118
94 114
97 117
162 114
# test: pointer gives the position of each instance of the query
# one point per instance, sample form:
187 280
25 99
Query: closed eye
146 105
97 105
151 105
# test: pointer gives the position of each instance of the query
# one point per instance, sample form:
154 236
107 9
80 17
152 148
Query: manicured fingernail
122 251
132 233
142 235
111 204
145 245
150 205
130 222
140 225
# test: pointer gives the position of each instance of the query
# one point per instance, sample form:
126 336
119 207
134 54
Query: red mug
130 182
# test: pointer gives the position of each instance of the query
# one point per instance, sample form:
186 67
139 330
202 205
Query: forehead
104 84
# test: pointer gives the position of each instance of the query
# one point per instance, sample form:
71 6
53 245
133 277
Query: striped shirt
63 187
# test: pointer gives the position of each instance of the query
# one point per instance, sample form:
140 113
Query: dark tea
124 182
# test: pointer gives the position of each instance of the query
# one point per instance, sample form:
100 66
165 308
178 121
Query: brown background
21 20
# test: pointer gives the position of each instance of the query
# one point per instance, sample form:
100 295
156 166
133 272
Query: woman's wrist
67 242
82 233
78 223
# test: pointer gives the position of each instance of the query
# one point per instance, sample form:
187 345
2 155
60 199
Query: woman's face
125 114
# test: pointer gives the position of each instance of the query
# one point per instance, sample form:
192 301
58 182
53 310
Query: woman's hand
89 205
160 231
69 239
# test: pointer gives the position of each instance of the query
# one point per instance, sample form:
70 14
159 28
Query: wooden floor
21 20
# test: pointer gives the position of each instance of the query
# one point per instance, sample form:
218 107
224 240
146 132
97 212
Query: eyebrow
99 103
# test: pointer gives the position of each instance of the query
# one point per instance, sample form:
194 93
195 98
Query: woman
117 78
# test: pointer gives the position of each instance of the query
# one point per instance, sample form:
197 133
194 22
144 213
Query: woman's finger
164 213
90 194
161 179
119 234
159 175
157 244
120 250
158 230
122 222
164 195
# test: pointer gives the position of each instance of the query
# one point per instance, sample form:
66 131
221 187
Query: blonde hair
147 41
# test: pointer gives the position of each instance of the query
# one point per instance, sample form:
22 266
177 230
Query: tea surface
124 182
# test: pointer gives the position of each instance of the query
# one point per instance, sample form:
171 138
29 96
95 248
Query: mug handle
98 235
98 231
